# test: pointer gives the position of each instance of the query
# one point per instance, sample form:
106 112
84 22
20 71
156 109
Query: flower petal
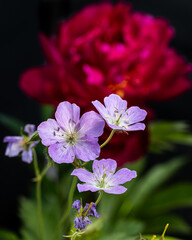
107 166
135 127
122 176
61 153
67 115
50 132
114 102
87 187
100 108
12 139
83 175
27 156
30 129
116 190
87 149
91 124
136 114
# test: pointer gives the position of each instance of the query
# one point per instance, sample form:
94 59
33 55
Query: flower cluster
82 220
71 139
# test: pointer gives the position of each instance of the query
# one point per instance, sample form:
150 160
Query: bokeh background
21 22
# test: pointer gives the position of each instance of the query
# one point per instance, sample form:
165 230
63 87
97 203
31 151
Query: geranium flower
20 144
104 177
118 117
69 136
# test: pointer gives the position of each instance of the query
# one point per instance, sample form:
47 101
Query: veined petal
87 149
116 190
83 175
114 102
100 108
107 166
50 132
87 187
67 115
91 124
135 127
62 153
122 176
136 114
27 156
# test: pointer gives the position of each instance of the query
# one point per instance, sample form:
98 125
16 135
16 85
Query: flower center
71 138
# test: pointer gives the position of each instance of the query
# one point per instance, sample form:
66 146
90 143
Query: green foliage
11 123
8 235
164 135
46 112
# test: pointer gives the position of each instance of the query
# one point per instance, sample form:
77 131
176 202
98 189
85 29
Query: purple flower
69 136
117 115
81 222
104 177
77 205
92 210
18 144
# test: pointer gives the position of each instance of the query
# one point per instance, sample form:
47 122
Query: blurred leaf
178 195
13 124
28 214
46 112
8 235
157 238
34 137
130 227
176 224
165 134
147 184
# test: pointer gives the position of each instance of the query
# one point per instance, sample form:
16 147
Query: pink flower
108 49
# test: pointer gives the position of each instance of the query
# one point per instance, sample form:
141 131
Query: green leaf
175 196
164 135
28 214
130 227
176 224
34 137
46 111
157 238
146 185
8 235
13 124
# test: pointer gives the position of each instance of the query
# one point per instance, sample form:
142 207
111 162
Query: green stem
38 196
108 139
99 197
69 203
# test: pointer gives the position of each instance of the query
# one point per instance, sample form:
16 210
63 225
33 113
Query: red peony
109 48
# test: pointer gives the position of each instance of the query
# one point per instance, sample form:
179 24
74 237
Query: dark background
21 21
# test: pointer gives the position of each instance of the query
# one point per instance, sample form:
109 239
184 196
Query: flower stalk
38 196
108 139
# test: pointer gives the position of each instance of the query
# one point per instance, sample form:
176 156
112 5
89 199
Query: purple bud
81 222
92 211
77 205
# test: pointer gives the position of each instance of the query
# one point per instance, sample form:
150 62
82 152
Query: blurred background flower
89 53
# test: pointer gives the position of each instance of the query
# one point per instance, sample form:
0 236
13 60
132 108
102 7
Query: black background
21 21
